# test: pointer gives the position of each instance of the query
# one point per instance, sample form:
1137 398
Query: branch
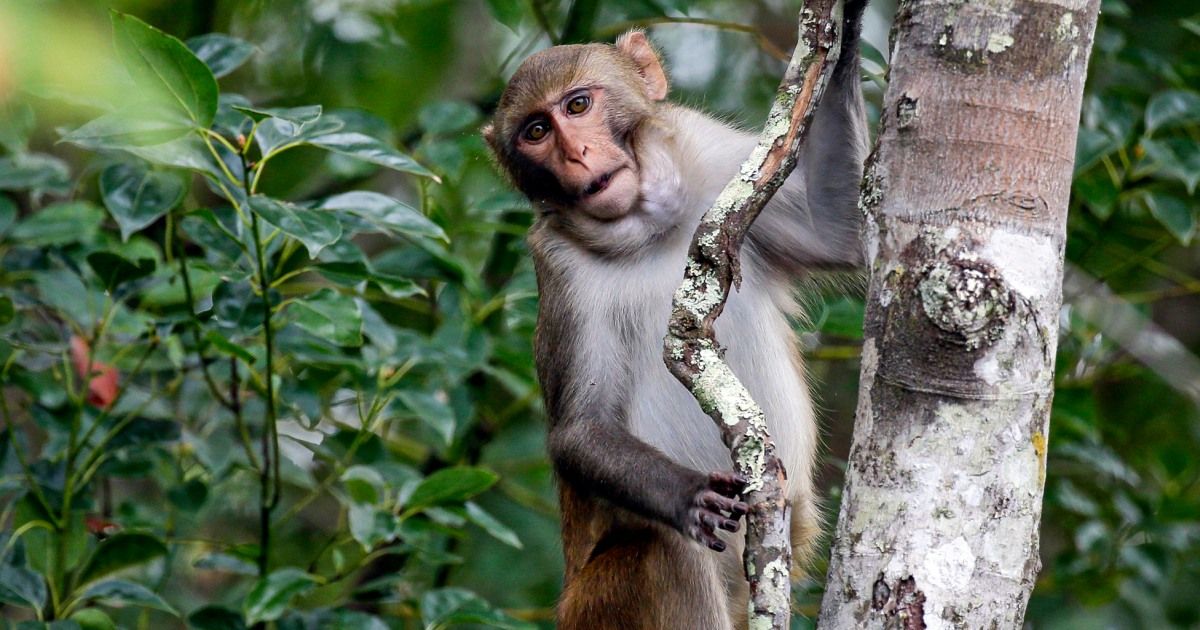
691 350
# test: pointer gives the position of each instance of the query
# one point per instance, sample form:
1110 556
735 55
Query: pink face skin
571 138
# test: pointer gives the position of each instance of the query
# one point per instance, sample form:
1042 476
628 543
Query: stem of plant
269 473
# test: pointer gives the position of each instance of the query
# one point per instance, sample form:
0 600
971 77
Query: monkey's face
571 138
566 126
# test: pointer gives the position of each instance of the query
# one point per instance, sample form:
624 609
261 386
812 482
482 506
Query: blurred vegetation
260 282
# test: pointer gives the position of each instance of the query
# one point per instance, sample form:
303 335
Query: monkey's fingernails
729 525
739 510
716 544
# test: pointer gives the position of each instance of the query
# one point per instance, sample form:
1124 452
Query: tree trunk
965 203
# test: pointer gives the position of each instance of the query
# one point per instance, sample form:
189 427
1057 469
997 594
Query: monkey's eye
579 104
536 131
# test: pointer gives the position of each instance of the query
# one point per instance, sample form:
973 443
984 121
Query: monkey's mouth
599 184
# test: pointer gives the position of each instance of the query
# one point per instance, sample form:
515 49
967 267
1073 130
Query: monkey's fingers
702 530
719 503
714 520
727 483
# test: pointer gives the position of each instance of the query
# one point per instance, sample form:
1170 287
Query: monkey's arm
589 440
603 458
813 221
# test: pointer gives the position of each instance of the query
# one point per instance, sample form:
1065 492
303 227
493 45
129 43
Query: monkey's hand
715 504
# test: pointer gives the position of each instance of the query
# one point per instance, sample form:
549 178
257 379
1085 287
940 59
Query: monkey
619 178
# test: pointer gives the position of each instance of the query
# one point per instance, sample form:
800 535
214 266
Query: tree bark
965 204
690 349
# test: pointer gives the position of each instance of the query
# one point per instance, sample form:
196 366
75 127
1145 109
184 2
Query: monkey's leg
646 578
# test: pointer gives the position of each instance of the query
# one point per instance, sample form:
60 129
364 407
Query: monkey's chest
760 349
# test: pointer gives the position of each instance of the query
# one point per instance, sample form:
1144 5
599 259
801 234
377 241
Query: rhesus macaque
620 178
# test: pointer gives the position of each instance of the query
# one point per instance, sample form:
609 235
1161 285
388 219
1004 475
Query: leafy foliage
222 338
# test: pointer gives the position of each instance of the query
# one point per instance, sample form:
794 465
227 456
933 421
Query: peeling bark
691 350
965 203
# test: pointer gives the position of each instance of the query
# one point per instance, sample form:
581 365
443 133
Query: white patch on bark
1030 264
949 567
999 42
987 368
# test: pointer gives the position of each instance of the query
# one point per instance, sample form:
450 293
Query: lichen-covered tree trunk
965 202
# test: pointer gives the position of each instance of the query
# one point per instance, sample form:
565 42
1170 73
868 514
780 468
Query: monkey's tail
852 13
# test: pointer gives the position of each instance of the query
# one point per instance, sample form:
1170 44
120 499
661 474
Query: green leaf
236 304
227 563
273 133
189 496
34 171
114 270
1176 158
224 345
453 607
146 431
316 229
17 122
450 485
21 587
1098 191
298 116
385 213
136 126
270 596
343 619
187 152
122 551
161 64
1174 213
42 547
364 484
215 618
205 228
7 311
443 117
372 150
8 214
492 526
1091 145
93 619
220 52
873 54
137 196
59 224
355 273
329 315
61 624
124 592
371 526
1172 108
432 410
63 291
508 13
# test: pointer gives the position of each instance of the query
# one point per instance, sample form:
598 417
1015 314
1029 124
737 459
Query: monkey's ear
638 48
489 136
